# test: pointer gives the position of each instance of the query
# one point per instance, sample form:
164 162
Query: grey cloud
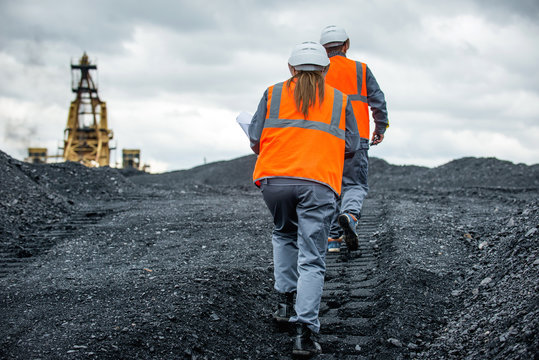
97 25
500 9
19 133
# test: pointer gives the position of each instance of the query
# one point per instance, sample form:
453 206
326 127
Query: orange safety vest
295 147
349 76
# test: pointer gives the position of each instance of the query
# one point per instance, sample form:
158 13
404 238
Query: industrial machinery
131 159
87 136
37 155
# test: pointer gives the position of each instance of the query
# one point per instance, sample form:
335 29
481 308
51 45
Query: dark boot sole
305 353
281 320
350 237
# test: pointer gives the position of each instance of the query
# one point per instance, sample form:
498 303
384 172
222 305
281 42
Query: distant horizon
379 158
246 155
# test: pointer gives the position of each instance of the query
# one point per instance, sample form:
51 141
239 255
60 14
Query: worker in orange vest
301 132
355 79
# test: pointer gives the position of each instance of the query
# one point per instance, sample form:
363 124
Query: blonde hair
307 83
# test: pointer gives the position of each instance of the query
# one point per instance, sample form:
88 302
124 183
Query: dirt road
178 265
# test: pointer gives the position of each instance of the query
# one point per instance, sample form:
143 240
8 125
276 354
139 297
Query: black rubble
111 264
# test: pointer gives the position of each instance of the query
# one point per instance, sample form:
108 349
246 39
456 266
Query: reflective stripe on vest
273 120
292 146
349 77
360 75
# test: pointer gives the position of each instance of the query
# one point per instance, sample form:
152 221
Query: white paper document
244 119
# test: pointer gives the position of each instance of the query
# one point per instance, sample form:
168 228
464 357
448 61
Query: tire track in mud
352 292
16 255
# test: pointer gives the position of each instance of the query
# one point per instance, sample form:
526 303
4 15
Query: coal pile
235 173
100 263
39 197
464 248
23 202
498 316
460 173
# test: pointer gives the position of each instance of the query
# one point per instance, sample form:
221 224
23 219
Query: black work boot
304 343
348 223
285 308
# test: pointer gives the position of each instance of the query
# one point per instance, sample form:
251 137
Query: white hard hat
309 56
333 36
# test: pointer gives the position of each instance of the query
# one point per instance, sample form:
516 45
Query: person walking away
355 79
302 131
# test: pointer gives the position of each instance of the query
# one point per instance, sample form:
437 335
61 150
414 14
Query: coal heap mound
23 202
235 173
489 172
37 194
500 307
465 172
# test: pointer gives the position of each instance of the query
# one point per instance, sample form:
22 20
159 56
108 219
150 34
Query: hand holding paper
244 119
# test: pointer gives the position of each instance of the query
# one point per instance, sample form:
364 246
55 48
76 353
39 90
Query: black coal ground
96 263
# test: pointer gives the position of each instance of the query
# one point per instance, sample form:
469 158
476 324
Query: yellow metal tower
87 136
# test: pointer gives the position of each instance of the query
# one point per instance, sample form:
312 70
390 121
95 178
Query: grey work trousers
302 212
354 189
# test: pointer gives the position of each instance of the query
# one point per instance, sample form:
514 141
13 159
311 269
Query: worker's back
291 146
349 76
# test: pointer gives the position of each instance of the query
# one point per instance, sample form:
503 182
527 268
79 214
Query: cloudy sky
461 77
